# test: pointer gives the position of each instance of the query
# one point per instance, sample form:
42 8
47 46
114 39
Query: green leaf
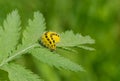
54 59
87 48
30 35
19 73
69 39
35 29
9 34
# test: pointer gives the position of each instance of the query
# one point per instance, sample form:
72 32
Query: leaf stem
17 54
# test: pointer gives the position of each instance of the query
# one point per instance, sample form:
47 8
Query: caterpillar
50 39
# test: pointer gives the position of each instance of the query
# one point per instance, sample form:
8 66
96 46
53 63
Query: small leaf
87 48
18 73
69 39
31 34
55 59
35 29
9 34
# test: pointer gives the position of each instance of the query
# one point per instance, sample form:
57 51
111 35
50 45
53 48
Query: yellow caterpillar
49 40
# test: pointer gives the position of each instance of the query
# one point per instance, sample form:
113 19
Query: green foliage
55 59
9 34
19 73
12 48
69 39
35 29
86 47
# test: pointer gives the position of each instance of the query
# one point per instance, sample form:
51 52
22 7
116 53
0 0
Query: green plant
12 45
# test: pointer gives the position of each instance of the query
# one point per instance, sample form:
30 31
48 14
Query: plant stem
17 54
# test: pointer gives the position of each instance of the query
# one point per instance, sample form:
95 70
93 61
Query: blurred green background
98 18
